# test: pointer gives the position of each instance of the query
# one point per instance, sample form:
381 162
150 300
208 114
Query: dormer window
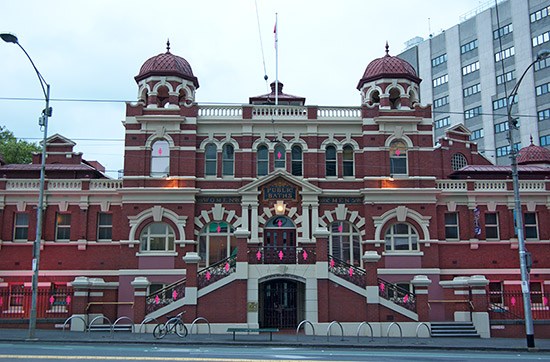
160 159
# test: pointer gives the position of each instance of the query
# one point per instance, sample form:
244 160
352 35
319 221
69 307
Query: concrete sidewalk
286 340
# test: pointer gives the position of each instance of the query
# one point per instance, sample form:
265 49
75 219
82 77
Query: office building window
542 89
210 160
263 160
474 89
545 140
506 53
21 229
530 226
502 102
491 226
228 160
501 127
468 47
506 77
458 161
478 133
506 29
472 112
541 64
296 161
443 122
451 226
540 14
544 114
541 39
440 102
503 151
470 68
104 226
330 161
440 80
63 227
439 60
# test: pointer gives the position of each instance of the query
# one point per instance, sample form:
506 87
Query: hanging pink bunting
406 298
350 271
279 155
340 228
226 267
259 255
545 300
281 255
279 223
397 153
207 275
305 255
332 263
68 299
1 302
513 300
382 287
174 295
157 300
160 151
218 229
52 299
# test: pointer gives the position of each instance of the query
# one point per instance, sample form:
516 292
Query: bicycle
173 325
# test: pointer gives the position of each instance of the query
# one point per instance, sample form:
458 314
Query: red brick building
259 215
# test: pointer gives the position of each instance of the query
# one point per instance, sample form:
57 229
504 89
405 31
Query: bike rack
400 330
195 321
418 328
122 318
371 331
102 318
302 323
145 321
330 325
75 316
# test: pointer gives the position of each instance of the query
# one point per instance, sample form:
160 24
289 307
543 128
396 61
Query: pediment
280 178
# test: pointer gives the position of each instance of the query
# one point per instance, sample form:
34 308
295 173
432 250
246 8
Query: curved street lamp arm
40 77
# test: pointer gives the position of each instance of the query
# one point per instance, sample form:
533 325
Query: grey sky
93 49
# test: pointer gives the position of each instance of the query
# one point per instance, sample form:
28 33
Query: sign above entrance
279 189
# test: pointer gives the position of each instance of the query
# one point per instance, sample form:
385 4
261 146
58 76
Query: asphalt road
120 352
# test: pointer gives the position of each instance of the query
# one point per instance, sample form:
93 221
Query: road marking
136 358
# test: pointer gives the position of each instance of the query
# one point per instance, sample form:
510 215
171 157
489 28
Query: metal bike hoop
400 330
371 331
420 325
145 321
302 323
330 325
78 317
123 318
195 321
102 318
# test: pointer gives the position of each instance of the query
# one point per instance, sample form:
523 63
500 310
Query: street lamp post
512 124
43 122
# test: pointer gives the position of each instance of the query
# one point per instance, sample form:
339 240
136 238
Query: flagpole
276 62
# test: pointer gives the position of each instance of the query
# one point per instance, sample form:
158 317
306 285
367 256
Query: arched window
157 236
228 160
395 98
375 97
263 160
344 242
348 160
398 158
458 161
210 158
279 156
401 237
297 161
162 96
216 242
330 161
160 159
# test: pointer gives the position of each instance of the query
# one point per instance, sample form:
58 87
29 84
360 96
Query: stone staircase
454 329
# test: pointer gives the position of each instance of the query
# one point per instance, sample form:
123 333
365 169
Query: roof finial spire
531 139
168 46
387 49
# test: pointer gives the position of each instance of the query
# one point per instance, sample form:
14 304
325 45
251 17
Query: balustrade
282 255
347 271
397 295
105 184
64 185
451 185
339 112
165 296
216 271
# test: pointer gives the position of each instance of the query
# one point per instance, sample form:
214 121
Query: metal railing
282 255
165 296
347 271
397 295
216 271
509 305
15 302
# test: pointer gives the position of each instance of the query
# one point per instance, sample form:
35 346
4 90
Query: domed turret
378 87
166 80
534 155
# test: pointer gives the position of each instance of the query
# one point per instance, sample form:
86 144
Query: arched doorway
281 303
280 241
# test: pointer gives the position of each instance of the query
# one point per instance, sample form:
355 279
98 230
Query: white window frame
63 226
17 225
412 237
204 241
146 236
353 238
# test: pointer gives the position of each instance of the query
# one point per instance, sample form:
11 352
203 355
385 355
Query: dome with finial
167 64
534 154
388 67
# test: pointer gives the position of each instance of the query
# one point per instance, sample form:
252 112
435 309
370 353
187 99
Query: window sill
156 253
403 253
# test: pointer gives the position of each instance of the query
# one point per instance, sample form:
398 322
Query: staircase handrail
503 309
154 302
216 271
401 297
347 271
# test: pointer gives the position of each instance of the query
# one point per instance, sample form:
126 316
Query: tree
14 150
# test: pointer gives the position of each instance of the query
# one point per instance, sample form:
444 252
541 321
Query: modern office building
469 69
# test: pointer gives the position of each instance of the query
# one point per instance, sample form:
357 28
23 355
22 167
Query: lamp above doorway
280 207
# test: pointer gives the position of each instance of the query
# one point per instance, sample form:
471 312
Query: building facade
469 70
259 215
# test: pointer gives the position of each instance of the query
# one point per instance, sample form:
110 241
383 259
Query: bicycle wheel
160 331
181 329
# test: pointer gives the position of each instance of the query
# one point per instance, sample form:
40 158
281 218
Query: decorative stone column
421 284
480 314
370 261
321 251
140 285
81 287
191 260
